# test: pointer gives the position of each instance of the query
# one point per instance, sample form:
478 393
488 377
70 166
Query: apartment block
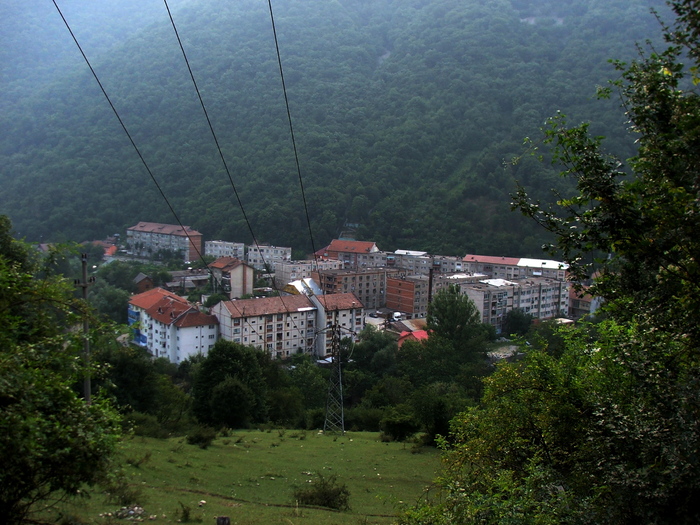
225 249
288 271
232 276
148 238
169 326
514 267
368 284
354 254
263 254
541 297
408 295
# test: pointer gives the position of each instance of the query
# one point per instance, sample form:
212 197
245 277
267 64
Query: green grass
250 475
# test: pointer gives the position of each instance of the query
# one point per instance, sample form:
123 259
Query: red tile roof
487 259
147 299
416 335
338 245
340 301
267 305
166 229
226 263
195 318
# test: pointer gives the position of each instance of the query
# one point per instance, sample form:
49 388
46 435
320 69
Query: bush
201 436
324 492
147 425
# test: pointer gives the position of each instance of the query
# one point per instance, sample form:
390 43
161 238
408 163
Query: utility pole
335 417
84 283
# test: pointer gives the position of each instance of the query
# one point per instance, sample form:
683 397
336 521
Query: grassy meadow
250 477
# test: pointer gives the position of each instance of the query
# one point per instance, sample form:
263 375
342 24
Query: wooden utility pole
84 283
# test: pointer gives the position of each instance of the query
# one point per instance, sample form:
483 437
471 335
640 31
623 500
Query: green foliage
324 492
599 424
51 442
517 322
201 436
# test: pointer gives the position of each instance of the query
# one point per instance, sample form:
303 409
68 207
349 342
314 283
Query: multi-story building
582 303
288 271
169 326
368 284
263 256
284 326
148 238
354 254
541 297
225 249
514 268
420 263
232 277
408 295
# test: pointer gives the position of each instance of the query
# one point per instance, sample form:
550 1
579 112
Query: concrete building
368 284
169 326
263 254
288 271
514 267
408 295
284 326
232 277
146 239
420 263
541 297
225 249
354 254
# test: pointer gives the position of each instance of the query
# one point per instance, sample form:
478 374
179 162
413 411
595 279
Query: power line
126 131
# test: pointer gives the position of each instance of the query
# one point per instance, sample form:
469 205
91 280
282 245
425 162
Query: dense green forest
406 115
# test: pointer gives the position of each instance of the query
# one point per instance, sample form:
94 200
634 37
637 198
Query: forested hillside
406 115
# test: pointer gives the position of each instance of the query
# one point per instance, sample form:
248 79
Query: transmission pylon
335 417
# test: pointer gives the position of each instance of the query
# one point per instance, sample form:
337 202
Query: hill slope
404 113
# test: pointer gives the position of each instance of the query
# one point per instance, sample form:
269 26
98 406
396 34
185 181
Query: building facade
146 239
232 276
169 326
225 249
408 295
289 325
354 254
259 256
514 268
288 271
541 297
368 284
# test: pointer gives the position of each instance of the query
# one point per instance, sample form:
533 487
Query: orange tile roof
167 310
225 263
340 301
487 259
166 229
267 305
338 245
147 299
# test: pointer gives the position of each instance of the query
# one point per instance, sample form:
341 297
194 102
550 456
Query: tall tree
51 442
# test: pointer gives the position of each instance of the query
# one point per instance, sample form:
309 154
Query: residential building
408 294
143 282
420 263
582 303
263 256
148 238
187 281
514 267
284 326
225 249
541 297
288 271
354 254
368 284
169 326
232 276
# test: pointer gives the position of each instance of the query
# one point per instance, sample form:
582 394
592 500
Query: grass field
250 476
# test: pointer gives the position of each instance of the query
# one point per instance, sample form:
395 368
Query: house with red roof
232 277
415 335
170 326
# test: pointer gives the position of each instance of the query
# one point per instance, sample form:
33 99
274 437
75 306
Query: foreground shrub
324 492
201 436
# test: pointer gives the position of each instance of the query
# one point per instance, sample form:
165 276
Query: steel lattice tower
335 417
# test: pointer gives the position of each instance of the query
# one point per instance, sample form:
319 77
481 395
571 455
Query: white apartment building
514 267
260 255
169 326
225 249
146 239
288 271
541 297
